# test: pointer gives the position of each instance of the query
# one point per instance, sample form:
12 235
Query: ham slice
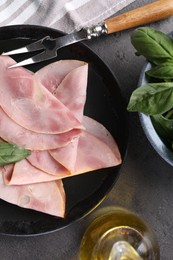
14 133
52 75
45 162
96 149
24 173
44 197
93 154
98 130
7 172
99 138
72 93
30 104
67 81
66 155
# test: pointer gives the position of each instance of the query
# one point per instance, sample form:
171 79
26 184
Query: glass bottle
119 235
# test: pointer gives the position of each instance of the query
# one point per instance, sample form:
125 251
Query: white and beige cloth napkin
64 15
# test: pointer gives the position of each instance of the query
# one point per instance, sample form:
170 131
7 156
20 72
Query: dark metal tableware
104 103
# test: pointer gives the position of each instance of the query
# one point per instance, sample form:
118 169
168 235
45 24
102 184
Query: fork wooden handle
149 13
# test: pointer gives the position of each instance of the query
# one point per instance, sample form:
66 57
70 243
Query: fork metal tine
35 46
45 55
49 47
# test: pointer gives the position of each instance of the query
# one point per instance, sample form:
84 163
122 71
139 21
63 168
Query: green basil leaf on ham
10 153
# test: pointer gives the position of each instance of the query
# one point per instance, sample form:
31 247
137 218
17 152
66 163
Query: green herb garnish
152 98
162 71
155 98
10 153
154 45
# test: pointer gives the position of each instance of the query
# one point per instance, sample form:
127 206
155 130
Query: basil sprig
164 127
154 45
162 71
10 153
155 98
152 98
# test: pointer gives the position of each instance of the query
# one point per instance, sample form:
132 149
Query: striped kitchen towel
64 15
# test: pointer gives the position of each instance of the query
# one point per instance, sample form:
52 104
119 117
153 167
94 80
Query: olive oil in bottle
118 235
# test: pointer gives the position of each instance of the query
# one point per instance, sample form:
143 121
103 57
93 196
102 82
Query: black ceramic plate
104 103
156 141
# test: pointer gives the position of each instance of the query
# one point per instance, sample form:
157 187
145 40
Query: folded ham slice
30 104
96 129
14 133
68 84
24 173
52 75
96 149
44 197
45 162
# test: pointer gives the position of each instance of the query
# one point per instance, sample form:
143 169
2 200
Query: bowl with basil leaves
153 98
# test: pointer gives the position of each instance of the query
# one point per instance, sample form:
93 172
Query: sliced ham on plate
93 154
66 155
98 130
45 162
44 197
52 75
14 133
68 84
24 172
96 149
31 105
72 89
43 112
7 172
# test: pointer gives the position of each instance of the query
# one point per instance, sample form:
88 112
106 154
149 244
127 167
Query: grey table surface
145 185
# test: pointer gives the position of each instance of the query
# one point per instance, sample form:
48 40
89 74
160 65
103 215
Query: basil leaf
164 127
154 45
162 71
169 114
10 153
152 98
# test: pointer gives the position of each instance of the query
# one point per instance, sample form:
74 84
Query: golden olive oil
118 234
